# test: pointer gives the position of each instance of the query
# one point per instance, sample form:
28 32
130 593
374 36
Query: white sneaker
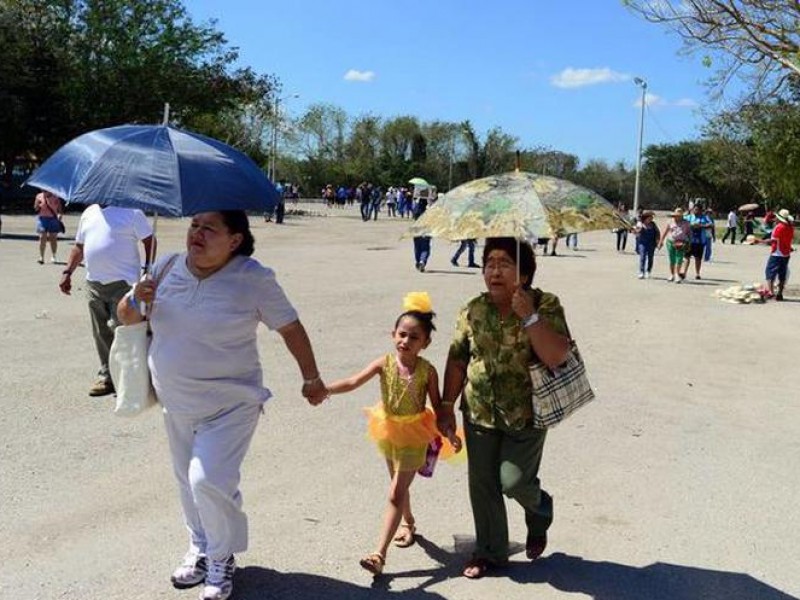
219 579
647 275
671 278
641 275
192 571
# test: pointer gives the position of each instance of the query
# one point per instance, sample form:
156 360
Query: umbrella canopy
750 206
155 168
419 182
518 204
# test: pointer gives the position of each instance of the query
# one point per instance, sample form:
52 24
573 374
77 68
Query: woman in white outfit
207 375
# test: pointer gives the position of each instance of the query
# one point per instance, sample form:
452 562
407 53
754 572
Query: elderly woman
498 334
677 235
206 372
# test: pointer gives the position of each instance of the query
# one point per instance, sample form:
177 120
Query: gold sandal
373 563
406 535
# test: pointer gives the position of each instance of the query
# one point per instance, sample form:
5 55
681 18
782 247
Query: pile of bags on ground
743 294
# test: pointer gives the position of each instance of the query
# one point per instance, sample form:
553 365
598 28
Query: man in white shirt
107 242
733 221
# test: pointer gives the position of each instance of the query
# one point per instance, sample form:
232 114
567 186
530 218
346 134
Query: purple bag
431 456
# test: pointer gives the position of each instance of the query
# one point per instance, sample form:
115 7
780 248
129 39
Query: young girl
402 425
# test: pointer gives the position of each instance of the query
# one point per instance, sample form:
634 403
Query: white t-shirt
203 356
110 236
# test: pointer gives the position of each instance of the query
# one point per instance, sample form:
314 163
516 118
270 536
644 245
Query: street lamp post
642 84
276 123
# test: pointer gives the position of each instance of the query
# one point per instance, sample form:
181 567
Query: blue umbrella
155 168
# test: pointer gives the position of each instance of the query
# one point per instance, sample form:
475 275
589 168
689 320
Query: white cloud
356 75
574 78
686 103
650 100
655 101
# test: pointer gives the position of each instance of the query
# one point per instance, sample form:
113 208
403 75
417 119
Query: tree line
71 66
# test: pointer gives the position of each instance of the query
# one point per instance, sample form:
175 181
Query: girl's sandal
373 563
406 535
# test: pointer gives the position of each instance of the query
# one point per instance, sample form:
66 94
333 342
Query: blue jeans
646 257
468 245
422 250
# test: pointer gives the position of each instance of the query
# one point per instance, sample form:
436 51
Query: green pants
505 462
103 299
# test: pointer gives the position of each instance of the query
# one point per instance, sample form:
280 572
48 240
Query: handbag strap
537 301
161 275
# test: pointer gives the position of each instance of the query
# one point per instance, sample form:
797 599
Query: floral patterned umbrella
517 204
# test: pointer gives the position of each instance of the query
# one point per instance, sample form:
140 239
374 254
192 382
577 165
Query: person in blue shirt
700 224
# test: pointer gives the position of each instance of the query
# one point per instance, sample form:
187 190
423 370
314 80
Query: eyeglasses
500 265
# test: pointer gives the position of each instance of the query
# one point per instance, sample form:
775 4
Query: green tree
87 64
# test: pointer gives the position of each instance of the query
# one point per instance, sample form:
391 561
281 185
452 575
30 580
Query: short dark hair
237 222
513 248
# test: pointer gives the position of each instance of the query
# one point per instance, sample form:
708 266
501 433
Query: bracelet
67 272
532 319
312 381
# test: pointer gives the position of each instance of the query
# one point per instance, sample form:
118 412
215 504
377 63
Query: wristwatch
531 320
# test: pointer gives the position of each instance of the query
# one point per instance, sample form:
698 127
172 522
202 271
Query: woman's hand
145 290
315 391
446 420
522 304
454 440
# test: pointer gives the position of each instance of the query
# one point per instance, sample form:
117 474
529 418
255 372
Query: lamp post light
642 84
276 123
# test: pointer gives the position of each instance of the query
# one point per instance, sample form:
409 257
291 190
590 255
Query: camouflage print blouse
497 353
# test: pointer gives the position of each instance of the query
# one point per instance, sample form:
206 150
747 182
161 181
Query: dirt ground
679 482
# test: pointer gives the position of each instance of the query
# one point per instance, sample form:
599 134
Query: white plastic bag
127 362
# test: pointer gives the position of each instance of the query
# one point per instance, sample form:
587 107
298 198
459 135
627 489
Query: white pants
207 455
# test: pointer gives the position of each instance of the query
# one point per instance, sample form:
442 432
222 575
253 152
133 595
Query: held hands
315 391
454 440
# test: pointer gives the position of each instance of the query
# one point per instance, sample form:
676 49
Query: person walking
647 236
206 371
469 246
498 334
676 235
422 243
107 243
700 224
401 425
622 232
50 212
731 224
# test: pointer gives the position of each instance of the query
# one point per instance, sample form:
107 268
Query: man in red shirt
781 243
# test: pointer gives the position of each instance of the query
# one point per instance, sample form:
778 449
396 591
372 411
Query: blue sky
556 74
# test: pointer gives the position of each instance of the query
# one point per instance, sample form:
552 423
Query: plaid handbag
559 392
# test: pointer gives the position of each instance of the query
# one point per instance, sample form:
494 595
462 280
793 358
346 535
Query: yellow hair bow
418 301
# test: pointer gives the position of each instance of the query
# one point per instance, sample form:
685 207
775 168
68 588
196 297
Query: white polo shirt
110 236
203 357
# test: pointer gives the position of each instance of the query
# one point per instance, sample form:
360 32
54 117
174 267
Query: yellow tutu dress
402 425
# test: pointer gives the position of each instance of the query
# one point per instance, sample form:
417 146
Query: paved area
680 482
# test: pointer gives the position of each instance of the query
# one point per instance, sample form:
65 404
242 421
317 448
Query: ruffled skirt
404 440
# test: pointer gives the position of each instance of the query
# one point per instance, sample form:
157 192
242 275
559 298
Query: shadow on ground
572 574
257 583
659 581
